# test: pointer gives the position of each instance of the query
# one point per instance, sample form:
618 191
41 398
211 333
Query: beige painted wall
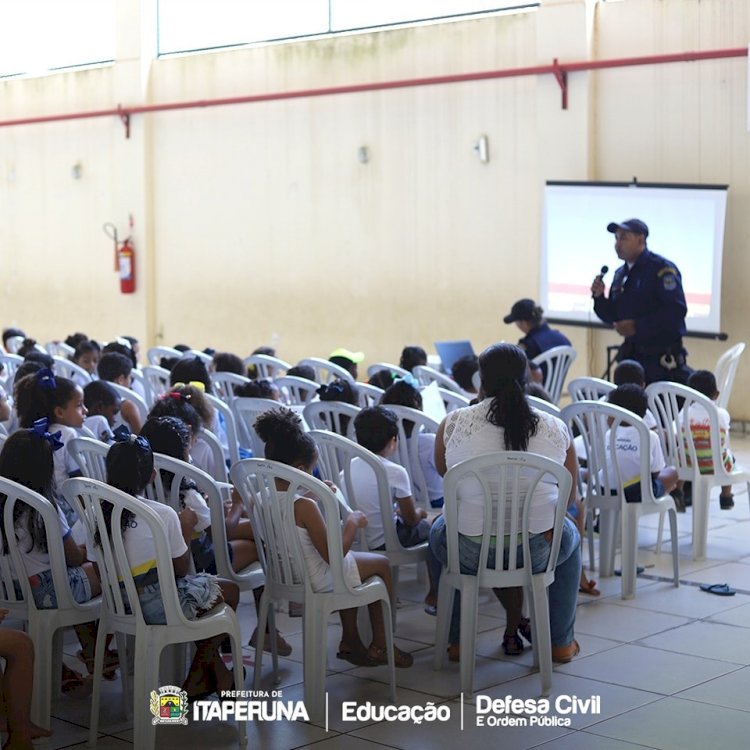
257 223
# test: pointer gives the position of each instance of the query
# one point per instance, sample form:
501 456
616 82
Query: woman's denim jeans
563 593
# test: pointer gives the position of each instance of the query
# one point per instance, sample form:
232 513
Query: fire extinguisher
124 258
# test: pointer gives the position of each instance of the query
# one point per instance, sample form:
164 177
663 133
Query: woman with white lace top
503 420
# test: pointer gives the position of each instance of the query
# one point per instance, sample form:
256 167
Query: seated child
631 371
411 357
347 359
406 393
377 430
628 449
228 362
339 390
285 441
704 382
103 405
87 355
115 367
463 371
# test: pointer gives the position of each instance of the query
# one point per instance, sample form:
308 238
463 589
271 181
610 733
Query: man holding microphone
646 305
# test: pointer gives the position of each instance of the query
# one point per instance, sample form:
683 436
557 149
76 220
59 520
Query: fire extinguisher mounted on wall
124 259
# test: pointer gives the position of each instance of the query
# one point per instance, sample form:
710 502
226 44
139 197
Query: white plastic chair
296 391
230 427
272 513
13 344
335 456
59 349
332 415
369 395
589 389
669 403
426 375
90 455
44 625
266 366
505 514
378 366
223 385
10 364
453 400
128 394
557 362
599 423
725 372
89 496
155 354
543 405
326 371
246 411
155 383
408 448
67 369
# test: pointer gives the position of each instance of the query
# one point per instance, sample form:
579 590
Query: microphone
600 275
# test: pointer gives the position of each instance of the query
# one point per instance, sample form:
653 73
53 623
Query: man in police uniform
646 305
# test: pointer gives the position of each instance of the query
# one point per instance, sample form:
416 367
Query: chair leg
385 603
44 677
701 491
542 635
608 522
446 592
469 618
675 547
590 536
394 594
314 627
629 550
99 648
145 677
660 533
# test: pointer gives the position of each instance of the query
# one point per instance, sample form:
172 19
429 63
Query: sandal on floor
282 647
564 654
111 663
512 645
358 658
589 588
454 652
71 681
379 656
524 628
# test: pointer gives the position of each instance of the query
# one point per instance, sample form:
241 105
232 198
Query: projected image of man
646 305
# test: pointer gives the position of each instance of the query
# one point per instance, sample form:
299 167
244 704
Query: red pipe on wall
558 70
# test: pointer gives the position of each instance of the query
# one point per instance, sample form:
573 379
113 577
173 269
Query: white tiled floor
671 668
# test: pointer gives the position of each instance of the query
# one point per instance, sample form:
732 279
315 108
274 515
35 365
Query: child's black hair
39 394
168 435
85 347
113 365
339 390
27 367
703 381
629 371
190 368
28 345
99 393
121 347
176 404
228 362
26 458
402 393
44 359
262 388
463 371
9 333
629 396
302 371
75 339
285 440
383 379
375 427
411 357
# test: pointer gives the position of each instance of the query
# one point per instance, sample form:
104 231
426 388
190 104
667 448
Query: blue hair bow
40 429
123 435
46 379
409 379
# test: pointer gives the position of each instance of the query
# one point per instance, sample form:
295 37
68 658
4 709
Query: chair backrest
296 390
155 382
156 353
10 364
271 512
67 369
507 481
223 384
453 400
13 344
673 405
408 447
20 605
90 455
130 395
369 395
219 470
266 366
92 500
557 362
335 456
599 424
426 375
230 426
335 416
246 411
207 359
725 371
59 349
543 405
326 371
378 366
589 389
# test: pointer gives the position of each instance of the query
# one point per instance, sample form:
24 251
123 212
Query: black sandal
524 628
512 645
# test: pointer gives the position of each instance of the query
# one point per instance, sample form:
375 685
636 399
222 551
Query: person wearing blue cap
646 305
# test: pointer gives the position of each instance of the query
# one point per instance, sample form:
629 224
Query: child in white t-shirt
628 448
